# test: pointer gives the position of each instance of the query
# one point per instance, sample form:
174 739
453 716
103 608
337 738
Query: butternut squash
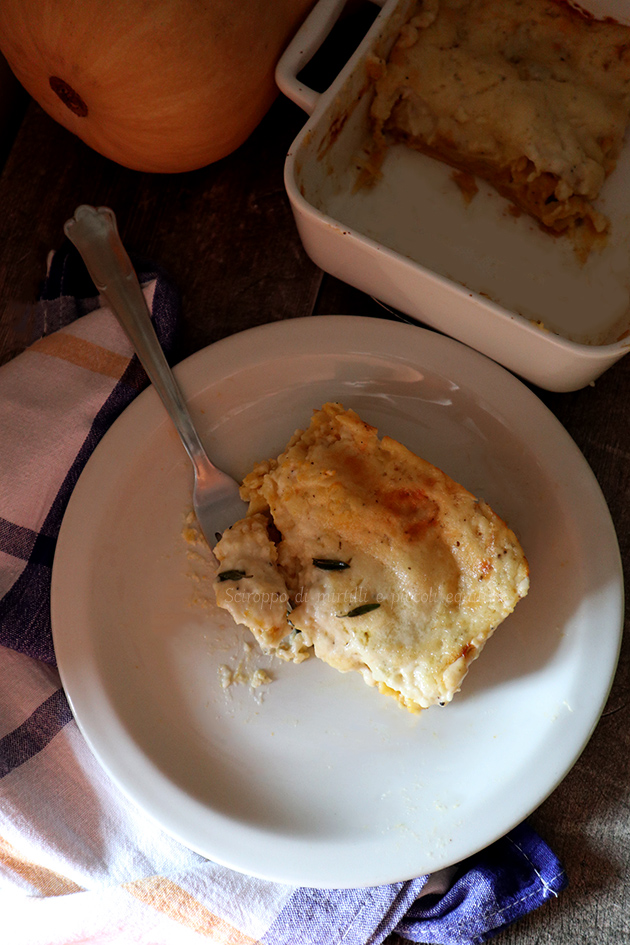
155 85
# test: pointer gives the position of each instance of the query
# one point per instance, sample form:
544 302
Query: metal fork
94 232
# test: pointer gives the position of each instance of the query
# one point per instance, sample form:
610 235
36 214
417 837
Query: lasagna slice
357 549
531 95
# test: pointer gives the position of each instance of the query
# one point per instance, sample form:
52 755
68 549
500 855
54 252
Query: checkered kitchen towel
78 861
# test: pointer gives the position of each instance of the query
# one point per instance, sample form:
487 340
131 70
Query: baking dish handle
303 47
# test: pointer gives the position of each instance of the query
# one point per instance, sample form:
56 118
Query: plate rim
300 328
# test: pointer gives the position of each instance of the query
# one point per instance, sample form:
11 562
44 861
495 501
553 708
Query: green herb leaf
329 564
359 611
232 575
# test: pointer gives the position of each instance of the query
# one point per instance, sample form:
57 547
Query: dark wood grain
232 217
226 235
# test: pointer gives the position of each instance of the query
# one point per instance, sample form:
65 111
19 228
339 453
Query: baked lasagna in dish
532 96
358 550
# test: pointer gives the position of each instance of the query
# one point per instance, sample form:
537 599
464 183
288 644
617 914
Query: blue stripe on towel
24 543
25 623
485 893
492 889
24 742
25 609
347 916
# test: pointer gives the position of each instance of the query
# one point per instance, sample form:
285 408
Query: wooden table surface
226 235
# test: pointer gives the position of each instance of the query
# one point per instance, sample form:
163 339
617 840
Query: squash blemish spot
68 96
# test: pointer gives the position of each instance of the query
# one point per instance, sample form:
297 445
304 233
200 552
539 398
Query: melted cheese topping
531 95
373 557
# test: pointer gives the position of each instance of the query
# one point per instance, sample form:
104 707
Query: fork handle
95 234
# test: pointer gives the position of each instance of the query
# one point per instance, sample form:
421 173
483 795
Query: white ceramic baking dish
478 273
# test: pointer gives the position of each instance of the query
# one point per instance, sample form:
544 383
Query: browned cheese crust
530 95
376 559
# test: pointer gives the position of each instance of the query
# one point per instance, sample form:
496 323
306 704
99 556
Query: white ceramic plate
316 779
